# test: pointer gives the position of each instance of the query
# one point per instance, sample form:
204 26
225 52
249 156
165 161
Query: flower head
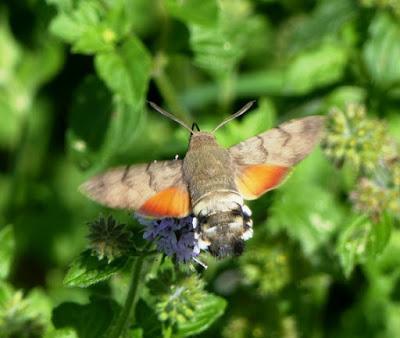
108 238
177 299
18 318
174 236
353 137
268 271
380 192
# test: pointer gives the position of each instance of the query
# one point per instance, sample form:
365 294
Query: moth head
223 233
199 139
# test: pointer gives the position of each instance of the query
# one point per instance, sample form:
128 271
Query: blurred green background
74 79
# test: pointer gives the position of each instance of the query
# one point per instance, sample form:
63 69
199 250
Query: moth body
207 167
216 201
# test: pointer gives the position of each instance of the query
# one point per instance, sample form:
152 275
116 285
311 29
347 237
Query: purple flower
174 236
159 227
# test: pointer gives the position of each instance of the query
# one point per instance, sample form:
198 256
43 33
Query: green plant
74 79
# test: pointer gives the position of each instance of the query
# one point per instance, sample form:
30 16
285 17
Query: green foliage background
74 79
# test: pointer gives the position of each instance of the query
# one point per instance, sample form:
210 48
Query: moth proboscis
211 182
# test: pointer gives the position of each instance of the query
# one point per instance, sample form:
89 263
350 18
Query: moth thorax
224 224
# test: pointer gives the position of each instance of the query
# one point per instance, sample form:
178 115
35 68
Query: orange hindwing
171 202
254 180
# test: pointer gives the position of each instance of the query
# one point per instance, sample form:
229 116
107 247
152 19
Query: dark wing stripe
284 145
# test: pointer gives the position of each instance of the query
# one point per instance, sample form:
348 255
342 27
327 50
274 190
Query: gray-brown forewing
154 189
263 161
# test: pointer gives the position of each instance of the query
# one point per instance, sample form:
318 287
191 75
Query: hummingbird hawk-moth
211 182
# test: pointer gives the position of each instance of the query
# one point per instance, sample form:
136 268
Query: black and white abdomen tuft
224 223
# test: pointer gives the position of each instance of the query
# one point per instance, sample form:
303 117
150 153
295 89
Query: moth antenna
169 115
244 109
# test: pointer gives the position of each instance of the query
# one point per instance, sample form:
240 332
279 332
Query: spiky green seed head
109 239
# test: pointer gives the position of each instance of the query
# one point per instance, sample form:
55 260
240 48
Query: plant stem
166 331
117 329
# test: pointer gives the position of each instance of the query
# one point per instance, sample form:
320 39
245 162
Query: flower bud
109 239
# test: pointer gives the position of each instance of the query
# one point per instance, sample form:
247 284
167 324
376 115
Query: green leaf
207 312
308 71
126 71
10 51
313 69
201 12
6 292
126 16
10 57
62 4
393 124
123 133
218 32
311 221
40 305
214 50
388 262
62 333
135 333
89 321
161 285
341 96
7 249
87 270
22 71
41 64
89 120
381 52
148 320
84 28
328 18
363 240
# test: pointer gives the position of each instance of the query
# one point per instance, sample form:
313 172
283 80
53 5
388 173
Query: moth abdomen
222 248
224 223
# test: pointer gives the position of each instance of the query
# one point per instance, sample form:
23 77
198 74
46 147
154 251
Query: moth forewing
131 187
263 161
285 145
